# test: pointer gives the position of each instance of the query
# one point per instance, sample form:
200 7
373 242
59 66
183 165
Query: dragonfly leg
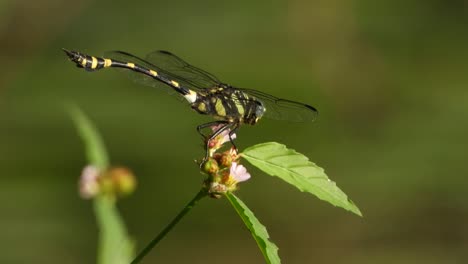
235 126
226 125
203 126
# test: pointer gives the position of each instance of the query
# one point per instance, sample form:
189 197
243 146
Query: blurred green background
390 79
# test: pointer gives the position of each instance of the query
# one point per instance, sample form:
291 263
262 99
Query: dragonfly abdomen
91 63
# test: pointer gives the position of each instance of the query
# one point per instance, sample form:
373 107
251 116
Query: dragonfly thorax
230 104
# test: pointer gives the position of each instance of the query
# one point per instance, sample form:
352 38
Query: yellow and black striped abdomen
87 62
91 63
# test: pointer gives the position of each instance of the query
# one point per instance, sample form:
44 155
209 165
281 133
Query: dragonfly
230 106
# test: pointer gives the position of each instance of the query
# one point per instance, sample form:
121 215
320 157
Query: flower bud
226 159
213 143
211 166
123 180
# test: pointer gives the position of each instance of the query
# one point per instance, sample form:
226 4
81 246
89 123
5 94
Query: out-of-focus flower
88 185
116 181
123 180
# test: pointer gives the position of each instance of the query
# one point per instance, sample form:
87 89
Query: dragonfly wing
138 77
283 109
181 70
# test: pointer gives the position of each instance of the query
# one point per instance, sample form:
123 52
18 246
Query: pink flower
89 185
238 172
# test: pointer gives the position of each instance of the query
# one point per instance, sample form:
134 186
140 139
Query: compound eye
260 110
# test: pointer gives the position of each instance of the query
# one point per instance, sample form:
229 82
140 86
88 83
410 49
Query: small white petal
239 173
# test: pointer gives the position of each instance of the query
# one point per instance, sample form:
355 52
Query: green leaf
115 245
95 150
258 231
296 169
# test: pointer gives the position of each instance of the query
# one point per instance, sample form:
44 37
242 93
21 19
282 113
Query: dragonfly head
253 118
260 110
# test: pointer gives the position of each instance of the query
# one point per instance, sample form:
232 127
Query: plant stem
202 193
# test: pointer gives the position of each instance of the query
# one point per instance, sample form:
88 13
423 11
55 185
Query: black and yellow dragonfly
230 106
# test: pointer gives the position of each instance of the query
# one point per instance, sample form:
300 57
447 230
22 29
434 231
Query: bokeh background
390 79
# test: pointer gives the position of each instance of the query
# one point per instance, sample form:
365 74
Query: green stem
202 193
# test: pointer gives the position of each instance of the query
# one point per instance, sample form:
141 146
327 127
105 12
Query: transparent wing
160 69
283 109
137 77
181 70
